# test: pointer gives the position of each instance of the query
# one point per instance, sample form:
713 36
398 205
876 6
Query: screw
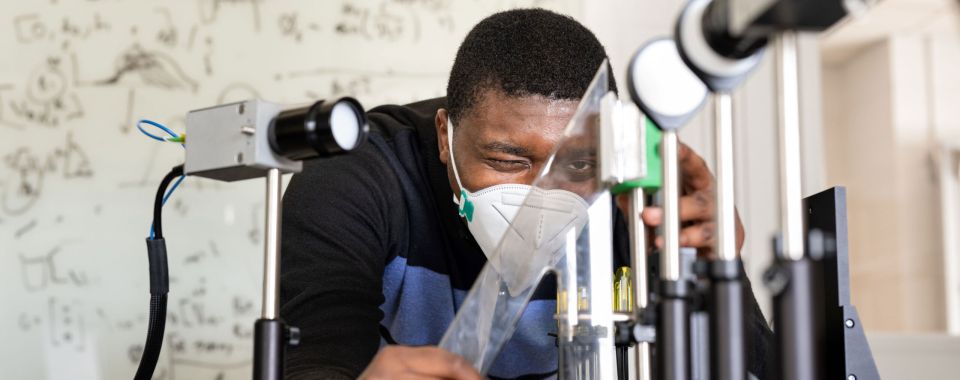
849 323
851 377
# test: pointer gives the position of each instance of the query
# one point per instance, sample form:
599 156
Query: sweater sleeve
340 216
760 348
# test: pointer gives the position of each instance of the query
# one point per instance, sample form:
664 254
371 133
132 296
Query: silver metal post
670 258
638 254
726 212
727 343
790 175
794 319
271 256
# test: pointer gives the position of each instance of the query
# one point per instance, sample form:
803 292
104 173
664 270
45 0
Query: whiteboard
77 180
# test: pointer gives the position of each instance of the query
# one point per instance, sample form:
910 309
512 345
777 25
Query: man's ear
441 124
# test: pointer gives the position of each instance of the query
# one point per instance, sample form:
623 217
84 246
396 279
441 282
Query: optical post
721 75
670 95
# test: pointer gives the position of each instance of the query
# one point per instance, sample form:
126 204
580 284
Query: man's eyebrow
574 152
507 148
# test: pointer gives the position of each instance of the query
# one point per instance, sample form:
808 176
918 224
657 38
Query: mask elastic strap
466 207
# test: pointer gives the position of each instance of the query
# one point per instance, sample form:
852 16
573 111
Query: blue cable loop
158 138
158 125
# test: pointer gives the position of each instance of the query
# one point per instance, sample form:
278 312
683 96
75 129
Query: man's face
505 139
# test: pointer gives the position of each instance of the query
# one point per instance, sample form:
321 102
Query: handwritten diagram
45 100
138 67
28 170
45 271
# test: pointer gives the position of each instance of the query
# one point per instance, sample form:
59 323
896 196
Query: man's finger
697 206
437 362
652 216
696 175
694 207
698 236
414 376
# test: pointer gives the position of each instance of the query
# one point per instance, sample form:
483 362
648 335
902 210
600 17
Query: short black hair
524 52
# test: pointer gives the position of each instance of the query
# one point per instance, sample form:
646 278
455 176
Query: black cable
158 202
159 284
155 329
622 363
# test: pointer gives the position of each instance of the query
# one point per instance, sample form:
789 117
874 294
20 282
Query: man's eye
580 170
580 165
507 165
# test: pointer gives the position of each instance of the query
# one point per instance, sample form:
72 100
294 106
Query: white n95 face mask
490 214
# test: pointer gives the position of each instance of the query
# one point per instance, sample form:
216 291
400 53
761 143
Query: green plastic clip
654 177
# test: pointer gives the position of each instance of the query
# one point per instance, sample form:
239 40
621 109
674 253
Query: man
375 251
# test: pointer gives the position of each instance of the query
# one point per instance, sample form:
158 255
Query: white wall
889 103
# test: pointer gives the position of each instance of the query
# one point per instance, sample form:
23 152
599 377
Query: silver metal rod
670 258
726 211
638 248
644 364
791 208
638 257
271 254
949 172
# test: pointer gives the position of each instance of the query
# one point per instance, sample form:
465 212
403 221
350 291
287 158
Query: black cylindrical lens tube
307 132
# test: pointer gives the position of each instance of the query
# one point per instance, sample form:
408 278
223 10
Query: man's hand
399 362
697 206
